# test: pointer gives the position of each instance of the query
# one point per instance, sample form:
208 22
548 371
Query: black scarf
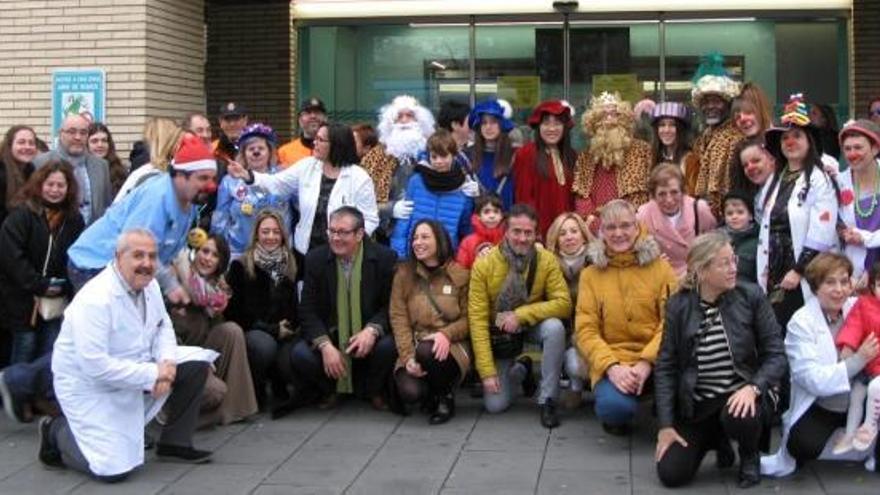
307 142
441 181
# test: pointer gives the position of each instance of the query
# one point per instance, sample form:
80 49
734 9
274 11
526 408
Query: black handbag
510 345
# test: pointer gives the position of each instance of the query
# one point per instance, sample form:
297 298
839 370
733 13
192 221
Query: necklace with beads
858 208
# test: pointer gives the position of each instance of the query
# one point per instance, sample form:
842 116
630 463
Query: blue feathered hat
493 108
258 130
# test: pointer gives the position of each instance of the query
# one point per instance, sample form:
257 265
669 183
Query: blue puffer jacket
452 209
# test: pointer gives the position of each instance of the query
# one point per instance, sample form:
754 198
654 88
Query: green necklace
859 212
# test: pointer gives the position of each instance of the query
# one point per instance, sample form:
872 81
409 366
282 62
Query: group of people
714 280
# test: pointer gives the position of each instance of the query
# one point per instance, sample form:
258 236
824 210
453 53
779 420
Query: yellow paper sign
625 84
520 91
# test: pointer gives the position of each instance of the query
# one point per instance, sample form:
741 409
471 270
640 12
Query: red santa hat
193 155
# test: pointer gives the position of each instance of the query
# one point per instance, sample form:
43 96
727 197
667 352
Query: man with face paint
712 95
166 206
312 113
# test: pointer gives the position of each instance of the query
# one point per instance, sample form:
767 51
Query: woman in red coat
544 168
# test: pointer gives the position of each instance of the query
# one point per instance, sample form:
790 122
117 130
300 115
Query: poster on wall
625 84
78 92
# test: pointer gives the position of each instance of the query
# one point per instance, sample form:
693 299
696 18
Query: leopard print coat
632 178
715 149
380 166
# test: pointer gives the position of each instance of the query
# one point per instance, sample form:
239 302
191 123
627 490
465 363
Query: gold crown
605 98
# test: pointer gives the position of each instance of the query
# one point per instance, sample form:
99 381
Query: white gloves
402 209
470 188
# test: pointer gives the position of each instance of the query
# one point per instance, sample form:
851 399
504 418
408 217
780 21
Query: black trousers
811 432
370 374
713 425
440 376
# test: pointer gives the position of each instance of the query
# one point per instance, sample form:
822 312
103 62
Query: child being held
740 226
857 340
488 225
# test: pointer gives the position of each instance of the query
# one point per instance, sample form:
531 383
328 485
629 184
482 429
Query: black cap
232 109
312 104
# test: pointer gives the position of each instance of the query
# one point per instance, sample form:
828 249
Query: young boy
743 231
488 224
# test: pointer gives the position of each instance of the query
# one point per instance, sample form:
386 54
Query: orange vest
292 152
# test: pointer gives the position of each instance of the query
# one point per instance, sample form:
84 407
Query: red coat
543 193
863 319
472 244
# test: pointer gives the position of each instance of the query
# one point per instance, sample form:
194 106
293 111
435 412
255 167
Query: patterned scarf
276 263
348 311
514 292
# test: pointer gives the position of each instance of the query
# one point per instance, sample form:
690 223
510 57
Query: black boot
749 469
445 410
529 384
549 418
724 456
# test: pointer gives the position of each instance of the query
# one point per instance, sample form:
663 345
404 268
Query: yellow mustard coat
549 298
621 305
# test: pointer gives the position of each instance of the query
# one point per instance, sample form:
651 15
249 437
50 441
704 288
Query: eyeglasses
340 232
319 139
76 132
611 227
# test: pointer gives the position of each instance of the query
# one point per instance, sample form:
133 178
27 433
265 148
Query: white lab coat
815 372
856 254
104 365
812 221
353 187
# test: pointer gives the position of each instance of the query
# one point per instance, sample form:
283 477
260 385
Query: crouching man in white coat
114 368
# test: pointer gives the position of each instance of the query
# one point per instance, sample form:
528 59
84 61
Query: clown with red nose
165 205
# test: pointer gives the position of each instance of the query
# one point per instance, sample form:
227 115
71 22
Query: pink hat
193 155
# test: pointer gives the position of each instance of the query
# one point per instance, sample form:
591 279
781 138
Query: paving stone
561 481
129 487
497 472
36 479
219 479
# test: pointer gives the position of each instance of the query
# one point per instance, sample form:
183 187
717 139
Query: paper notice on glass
520 91
625 84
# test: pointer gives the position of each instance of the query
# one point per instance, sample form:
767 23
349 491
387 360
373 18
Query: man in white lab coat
114 368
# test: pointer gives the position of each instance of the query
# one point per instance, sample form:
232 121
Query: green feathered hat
712 78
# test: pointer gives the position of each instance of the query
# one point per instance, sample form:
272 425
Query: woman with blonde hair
162 136
568 238
721 355
751 111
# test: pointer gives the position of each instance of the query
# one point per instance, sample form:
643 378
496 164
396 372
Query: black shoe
529 385
549 418
10 405
444 411
48 454
724 456
749 469
621 430
189 455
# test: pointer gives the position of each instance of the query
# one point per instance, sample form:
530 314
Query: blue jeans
32 380
613 406
29 344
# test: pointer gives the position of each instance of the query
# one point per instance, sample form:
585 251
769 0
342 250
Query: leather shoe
749 469
48 454
620 430
444 412
176 453
549 418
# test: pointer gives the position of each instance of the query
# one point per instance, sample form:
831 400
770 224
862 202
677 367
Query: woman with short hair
673 217
721 353
820 380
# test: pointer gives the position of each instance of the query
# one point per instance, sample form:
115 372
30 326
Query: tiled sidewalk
356 450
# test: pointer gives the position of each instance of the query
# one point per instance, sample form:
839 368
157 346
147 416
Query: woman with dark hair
826 122
365 138
799 212
670 123
229 391
33 259
751 168
428 312
263 282
322 183
721 352
17 152
238 205
544 168
492 153
101 144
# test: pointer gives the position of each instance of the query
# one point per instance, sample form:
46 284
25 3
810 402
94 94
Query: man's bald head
74 135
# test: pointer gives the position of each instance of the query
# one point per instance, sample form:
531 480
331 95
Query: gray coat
99 179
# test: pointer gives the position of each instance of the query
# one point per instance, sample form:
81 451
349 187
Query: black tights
811 432
679 464
438 381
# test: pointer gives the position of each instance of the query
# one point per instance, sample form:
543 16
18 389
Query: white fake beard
406 140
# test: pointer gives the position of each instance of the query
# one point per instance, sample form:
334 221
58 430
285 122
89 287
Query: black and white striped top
715 372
